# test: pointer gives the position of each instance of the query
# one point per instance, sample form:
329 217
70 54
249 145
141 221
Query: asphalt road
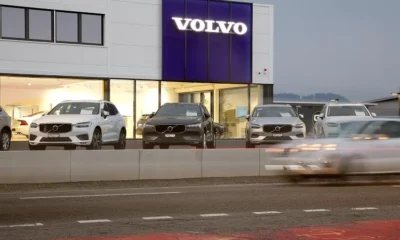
247 211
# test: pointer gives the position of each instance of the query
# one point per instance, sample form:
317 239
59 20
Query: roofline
383 99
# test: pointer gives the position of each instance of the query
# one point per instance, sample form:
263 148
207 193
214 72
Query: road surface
231 211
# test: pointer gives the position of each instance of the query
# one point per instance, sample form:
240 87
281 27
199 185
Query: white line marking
316 210
27 225
268 212
100 195
94 221
157 218
364 208
214 215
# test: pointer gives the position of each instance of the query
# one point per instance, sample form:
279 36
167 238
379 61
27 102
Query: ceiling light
29 84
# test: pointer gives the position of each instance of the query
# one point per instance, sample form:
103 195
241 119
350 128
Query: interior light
29 84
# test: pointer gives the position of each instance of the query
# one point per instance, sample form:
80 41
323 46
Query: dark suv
179 124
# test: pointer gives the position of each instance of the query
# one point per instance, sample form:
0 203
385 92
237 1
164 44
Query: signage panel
207 41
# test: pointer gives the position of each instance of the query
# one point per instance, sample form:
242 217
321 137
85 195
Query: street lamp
398 100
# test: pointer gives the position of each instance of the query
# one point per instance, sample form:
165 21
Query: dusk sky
349 47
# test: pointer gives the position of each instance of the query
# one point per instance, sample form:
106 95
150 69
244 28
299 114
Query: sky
348 47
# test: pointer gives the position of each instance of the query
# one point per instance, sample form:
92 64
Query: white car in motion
79 123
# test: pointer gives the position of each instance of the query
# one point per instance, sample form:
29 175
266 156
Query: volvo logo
55 128
210 26
170 128
277 128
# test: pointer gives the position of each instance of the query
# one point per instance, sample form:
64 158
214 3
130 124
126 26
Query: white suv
79 123
5 130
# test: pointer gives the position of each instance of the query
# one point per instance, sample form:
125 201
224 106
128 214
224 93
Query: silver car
5 127
274 123
364 147
328 123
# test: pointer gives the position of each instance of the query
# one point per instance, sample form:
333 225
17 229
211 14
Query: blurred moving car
21 125
364 147
140 122
328 123
79 123
179 124
5 130
274 123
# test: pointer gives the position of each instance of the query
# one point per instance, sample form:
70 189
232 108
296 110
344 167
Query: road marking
94 221
364 208
214 215
157 218
101 195
316 210
24 225
268 212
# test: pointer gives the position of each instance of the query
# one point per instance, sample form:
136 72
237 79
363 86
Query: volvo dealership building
139 54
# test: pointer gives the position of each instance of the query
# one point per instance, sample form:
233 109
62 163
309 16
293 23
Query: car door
115 121
209 123
105 123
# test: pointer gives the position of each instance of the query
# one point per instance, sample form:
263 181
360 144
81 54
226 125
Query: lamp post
398 101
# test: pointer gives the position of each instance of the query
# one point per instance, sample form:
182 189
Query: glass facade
27 98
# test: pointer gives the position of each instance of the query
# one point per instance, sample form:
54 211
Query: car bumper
78 137
261 137
193 137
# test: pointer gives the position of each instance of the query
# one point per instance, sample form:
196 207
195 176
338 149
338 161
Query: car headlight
255 126
34 125
146 125
83 124
299 125
197 125
331 124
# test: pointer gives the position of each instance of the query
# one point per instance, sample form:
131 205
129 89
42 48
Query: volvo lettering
210 26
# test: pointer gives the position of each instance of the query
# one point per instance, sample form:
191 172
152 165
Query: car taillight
23 123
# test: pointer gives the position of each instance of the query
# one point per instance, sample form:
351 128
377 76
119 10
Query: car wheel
5 140
250 145
147 146
164 146
203 144
213 143
37 148
122 141
70 147
96 141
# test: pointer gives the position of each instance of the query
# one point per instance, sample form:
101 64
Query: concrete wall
114 165
132 43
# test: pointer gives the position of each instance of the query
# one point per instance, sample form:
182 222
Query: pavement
223 210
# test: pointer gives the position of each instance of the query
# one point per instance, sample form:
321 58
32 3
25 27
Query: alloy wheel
97 141
123 140
204 141
5 141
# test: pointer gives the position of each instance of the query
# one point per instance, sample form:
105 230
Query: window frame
79 28
26 24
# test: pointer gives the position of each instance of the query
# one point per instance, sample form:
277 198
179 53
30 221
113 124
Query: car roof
89 101
194 104
274 105
345 104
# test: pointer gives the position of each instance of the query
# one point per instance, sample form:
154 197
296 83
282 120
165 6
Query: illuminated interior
227 103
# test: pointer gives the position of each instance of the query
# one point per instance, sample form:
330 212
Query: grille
61 128
175 128
283 128
283 138
60 139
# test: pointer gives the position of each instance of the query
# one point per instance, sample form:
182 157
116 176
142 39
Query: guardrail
113 165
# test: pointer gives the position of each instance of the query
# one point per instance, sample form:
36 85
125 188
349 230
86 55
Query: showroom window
26 24
147 98
123 96
27 98
79 28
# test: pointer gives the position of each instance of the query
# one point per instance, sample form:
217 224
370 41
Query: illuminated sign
210 26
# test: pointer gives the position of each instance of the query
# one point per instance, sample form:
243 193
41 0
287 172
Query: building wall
386 108
132 46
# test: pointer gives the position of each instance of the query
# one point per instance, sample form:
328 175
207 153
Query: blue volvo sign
207 41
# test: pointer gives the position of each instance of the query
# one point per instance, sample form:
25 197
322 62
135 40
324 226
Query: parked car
219 130
328 123
179 124
21 125
5 134
364 147
274 123
139 124
90 124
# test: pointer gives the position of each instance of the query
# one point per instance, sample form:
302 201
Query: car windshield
274 112
77 108
347 111
179 110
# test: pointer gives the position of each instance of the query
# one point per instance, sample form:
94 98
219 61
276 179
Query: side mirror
207 115
152 115
373 114
248 117
106 114
301 116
